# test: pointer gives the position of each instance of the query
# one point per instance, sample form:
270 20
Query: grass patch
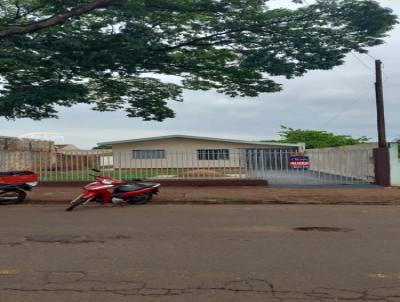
130 174
81 175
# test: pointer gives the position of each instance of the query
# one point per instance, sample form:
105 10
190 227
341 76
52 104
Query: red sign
299 162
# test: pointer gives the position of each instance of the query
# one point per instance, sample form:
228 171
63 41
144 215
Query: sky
341 100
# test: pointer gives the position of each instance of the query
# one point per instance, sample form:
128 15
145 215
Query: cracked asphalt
194 253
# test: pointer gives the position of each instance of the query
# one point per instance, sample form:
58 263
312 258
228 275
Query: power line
384 73
344 111
347 108
356 101
362 62
383 66
368 67
371 56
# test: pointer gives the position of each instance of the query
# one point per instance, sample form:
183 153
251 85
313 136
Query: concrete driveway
306 178
200 253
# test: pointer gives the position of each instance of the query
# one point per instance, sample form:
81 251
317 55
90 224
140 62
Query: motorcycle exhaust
117 201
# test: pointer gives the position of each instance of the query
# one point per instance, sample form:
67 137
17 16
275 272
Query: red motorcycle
14 184
109 190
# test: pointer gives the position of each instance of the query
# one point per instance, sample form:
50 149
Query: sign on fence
299 162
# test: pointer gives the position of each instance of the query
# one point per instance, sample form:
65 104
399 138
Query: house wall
182 153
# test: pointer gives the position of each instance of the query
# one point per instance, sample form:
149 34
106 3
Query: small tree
317 138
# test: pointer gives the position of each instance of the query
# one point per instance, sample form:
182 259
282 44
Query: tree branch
18 12
57 19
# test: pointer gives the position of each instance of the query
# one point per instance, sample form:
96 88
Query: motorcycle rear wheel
76 203
12 197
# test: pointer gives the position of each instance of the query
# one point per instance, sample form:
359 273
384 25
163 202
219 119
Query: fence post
119 166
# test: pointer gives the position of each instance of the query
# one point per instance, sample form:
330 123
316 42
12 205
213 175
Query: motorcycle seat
132 187
15 173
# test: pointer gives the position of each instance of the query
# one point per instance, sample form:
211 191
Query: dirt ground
241 195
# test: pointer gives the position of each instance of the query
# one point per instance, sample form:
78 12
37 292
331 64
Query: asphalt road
200 253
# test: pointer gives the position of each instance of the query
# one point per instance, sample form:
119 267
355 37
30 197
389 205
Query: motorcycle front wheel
12 197
76 203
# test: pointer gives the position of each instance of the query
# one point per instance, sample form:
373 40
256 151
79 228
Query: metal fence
273 165
324 167
76 166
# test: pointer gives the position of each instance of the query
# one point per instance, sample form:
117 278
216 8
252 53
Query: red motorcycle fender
89 195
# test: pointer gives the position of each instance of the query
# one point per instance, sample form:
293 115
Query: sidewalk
241 195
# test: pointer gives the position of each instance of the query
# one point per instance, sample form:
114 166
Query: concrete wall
355 161
15 144
394 164
181 152
26 154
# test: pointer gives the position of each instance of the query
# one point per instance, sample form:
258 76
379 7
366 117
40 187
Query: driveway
200 253
305 178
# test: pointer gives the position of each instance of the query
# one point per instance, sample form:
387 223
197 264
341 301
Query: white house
187 151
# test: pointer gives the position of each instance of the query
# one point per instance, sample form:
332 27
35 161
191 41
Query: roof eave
199 138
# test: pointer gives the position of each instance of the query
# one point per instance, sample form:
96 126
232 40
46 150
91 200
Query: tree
102 147
398 142
110 53
317 139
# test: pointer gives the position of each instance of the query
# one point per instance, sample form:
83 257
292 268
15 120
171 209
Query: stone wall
15 144
26 154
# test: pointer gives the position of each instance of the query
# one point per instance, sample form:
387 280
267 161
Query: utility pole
381 154
380 106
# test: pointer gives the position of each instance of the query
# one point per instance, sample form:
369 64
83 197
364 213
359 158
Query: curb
237 202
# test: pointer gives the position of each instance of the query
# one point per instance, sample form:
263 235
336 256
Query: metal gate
319 167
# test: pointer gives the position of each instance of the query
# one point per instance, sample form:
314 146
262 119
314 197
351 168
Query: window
148 154
213 154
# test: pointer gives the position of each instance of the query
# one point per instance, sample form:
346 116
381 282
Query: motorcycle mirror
96 170
137 179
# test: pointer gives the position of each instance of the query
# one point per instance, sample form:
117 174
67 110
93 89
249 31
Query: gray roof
199 138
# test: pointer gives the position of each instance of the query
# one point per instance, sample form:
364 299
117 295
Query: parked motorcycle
14 184
110 190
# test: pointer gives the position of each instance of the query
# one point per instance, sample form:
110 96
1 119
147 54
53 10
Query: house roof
67 147
198 138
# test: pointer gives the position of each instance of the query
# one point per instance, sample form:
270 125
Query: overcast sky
340 100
